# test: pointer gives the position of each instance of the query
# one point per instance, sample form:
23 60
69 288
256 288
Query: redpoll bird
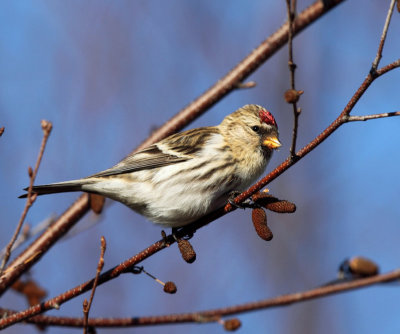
188 174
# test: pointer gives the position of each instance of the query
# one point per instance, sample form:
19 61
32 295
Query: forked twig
86 304
343 118
46 127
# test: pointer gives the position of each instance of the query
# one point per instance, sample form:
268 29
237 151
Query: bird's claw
165 238
247 203
185 237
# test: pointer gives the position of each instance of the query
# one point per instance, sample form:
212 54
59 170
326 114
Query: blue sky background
106 73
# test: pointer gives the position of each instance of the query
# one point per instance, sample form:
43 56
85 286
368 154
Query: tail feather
61 187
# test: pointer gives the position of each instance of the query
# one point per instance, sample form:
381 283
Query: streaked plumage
188 174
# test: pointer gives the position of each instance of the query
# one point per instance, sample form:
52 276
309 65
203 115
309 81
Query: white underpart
171 195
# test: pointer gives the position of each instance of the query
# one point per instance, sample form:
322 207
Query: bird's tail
60 187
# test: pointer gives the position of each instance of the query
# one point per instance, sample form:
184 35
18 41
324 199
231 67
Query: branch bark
215 314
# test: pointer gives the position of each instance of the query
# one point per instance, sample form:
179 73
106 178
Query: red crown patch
267 118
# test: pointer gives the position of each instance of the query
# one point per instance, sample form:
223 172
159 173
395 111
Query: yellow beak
272 143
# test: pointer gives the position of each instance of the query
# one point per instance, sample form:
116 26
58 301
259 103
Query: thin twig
368 117
87 305
30 233
46 127
292 65
291 10
383 37
213 315
247 66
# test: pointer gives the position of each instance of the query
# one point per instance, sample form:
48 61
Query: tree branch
87 305
215 314
341 119
127 265
224 86
291 10
368 117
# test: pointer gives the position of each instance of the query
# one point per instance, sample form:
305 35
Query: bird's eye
255 128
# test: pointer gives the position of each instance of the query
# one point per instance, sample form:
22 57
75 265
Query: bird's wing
174 149
150 158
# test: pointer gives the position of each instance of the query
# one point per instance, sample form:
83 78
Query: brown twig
383 37
291 10
1 131
224 86
29 232
169 287
86 304
214 315
46 127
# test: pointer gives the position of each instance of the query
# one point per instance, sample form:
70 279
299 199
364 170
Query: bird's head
252 126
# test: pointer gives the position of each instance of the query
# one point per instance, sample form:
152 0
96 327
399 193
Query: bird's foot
165 238
248 203
174 233
175 230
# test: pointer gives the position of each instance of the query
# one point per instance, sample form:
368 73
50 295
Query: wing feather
150 158
177 148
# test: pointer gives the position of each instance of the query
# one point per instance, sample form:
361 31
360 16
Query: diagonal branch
241 71
223 87
341 119
127 265
383 37
215 314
